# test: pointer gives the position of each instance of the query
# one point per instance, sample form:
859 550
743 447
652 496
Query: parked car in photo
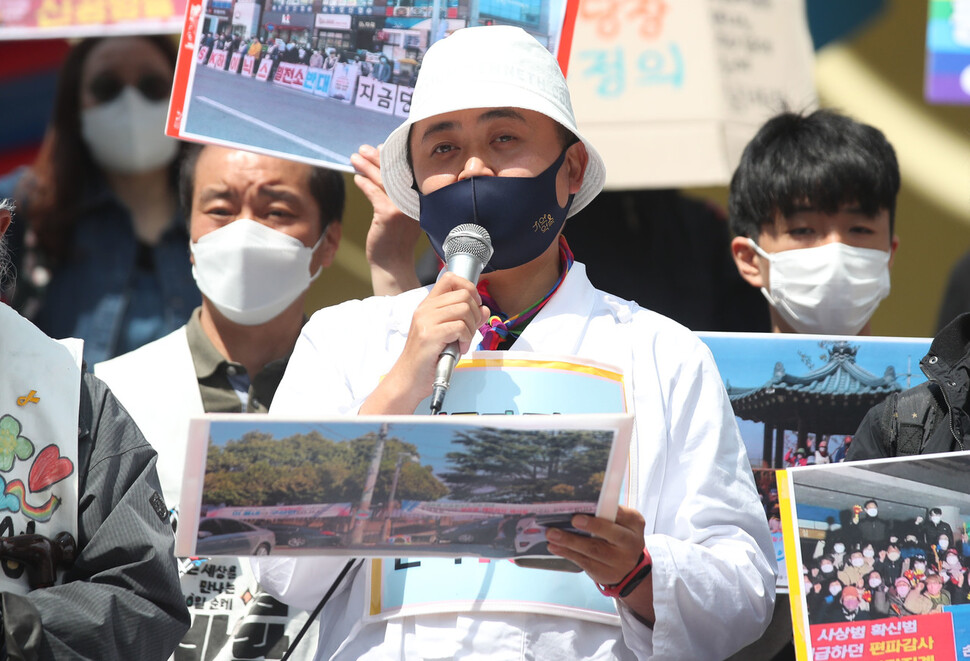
300 536
479 531
530 532
221 536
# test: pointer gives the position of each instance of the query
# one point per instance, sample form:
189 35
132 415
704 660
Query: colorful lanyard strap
495 331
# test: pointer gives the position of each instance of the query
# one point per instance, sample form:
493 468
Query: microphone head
469 239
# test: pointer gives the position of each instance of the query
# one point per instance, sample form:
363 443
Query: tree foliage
501 465
260 470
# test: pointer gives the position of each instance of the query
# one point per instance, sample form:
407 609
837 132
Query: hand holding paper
609 555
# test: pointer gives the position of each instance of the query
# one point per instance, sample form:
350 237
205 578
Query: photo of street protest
282 78
436 489
883 546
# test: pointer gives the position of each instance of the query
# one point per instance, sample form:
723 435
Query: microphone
467 250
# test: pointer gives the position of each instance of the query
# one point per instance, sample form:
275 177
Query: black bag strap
316 611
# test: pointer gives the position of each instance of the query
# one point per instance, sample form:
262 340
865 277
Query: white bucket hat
485 67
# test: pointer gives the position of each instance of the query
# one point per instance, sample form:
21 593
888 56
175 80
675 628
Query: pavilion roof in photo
831 399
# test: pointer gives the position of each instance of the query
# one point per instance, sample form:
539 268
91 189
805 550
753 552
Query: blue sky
747 360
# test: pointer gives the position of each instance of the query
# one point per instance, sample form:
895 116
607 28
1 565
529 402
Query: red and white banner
291 75
234 62
264 68
217 60
249 65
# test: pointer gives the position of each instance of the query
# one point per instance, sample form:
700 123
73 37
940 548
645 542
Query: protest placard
49 19
320 113
908 598
671 92
792 393
483 486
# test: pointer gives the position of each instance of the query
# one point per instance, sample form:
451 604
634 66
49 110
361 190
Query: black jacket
943 424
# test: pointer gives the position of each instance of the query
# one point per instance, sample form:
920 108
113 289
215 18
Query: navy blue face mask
521 214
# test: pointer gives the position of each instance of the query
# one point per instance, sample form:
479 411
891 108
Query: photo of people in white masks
882 549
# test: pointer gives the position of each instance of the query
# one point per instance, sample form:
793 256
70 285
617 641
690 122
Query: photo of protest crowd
873 569
353 67
897 555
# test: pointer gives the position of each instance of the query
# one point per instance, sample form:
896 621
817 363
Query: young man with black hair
812 204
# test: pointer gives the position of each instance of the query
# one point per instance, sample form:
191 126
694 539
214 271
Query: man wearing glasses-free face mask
495 140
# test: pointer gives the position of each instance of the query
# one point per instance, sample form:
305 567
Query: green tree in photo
259 470
501 465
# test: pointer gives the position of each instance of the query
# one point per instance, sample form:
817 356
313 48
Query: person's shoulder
363 314
646 323
104 422
146 353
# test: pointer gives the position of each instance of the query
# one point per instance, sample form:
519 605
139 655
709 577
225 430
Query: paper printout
901 614
493 382
779 383
485 486
278 104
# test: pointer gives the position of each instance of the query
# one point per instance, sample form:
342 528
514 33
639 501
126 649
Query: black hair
871 500
326 187
824 160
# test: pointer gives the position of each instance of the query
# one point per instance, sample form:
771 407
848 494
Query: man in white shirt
493 140
261 228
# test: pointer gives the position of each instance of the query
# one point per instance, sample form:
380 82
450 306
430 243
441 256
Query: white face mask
251 272
893 556
872 511
826 568
919 566
902 591
944 542
869 553
835 588
831 289
127 134
839 548
875 582
935 519
857 562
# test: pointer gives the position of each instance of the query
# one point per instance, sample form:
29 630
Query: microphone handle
468 267
447 360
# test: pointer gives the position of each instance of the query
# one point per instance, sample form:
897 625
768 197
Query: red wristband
631 580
